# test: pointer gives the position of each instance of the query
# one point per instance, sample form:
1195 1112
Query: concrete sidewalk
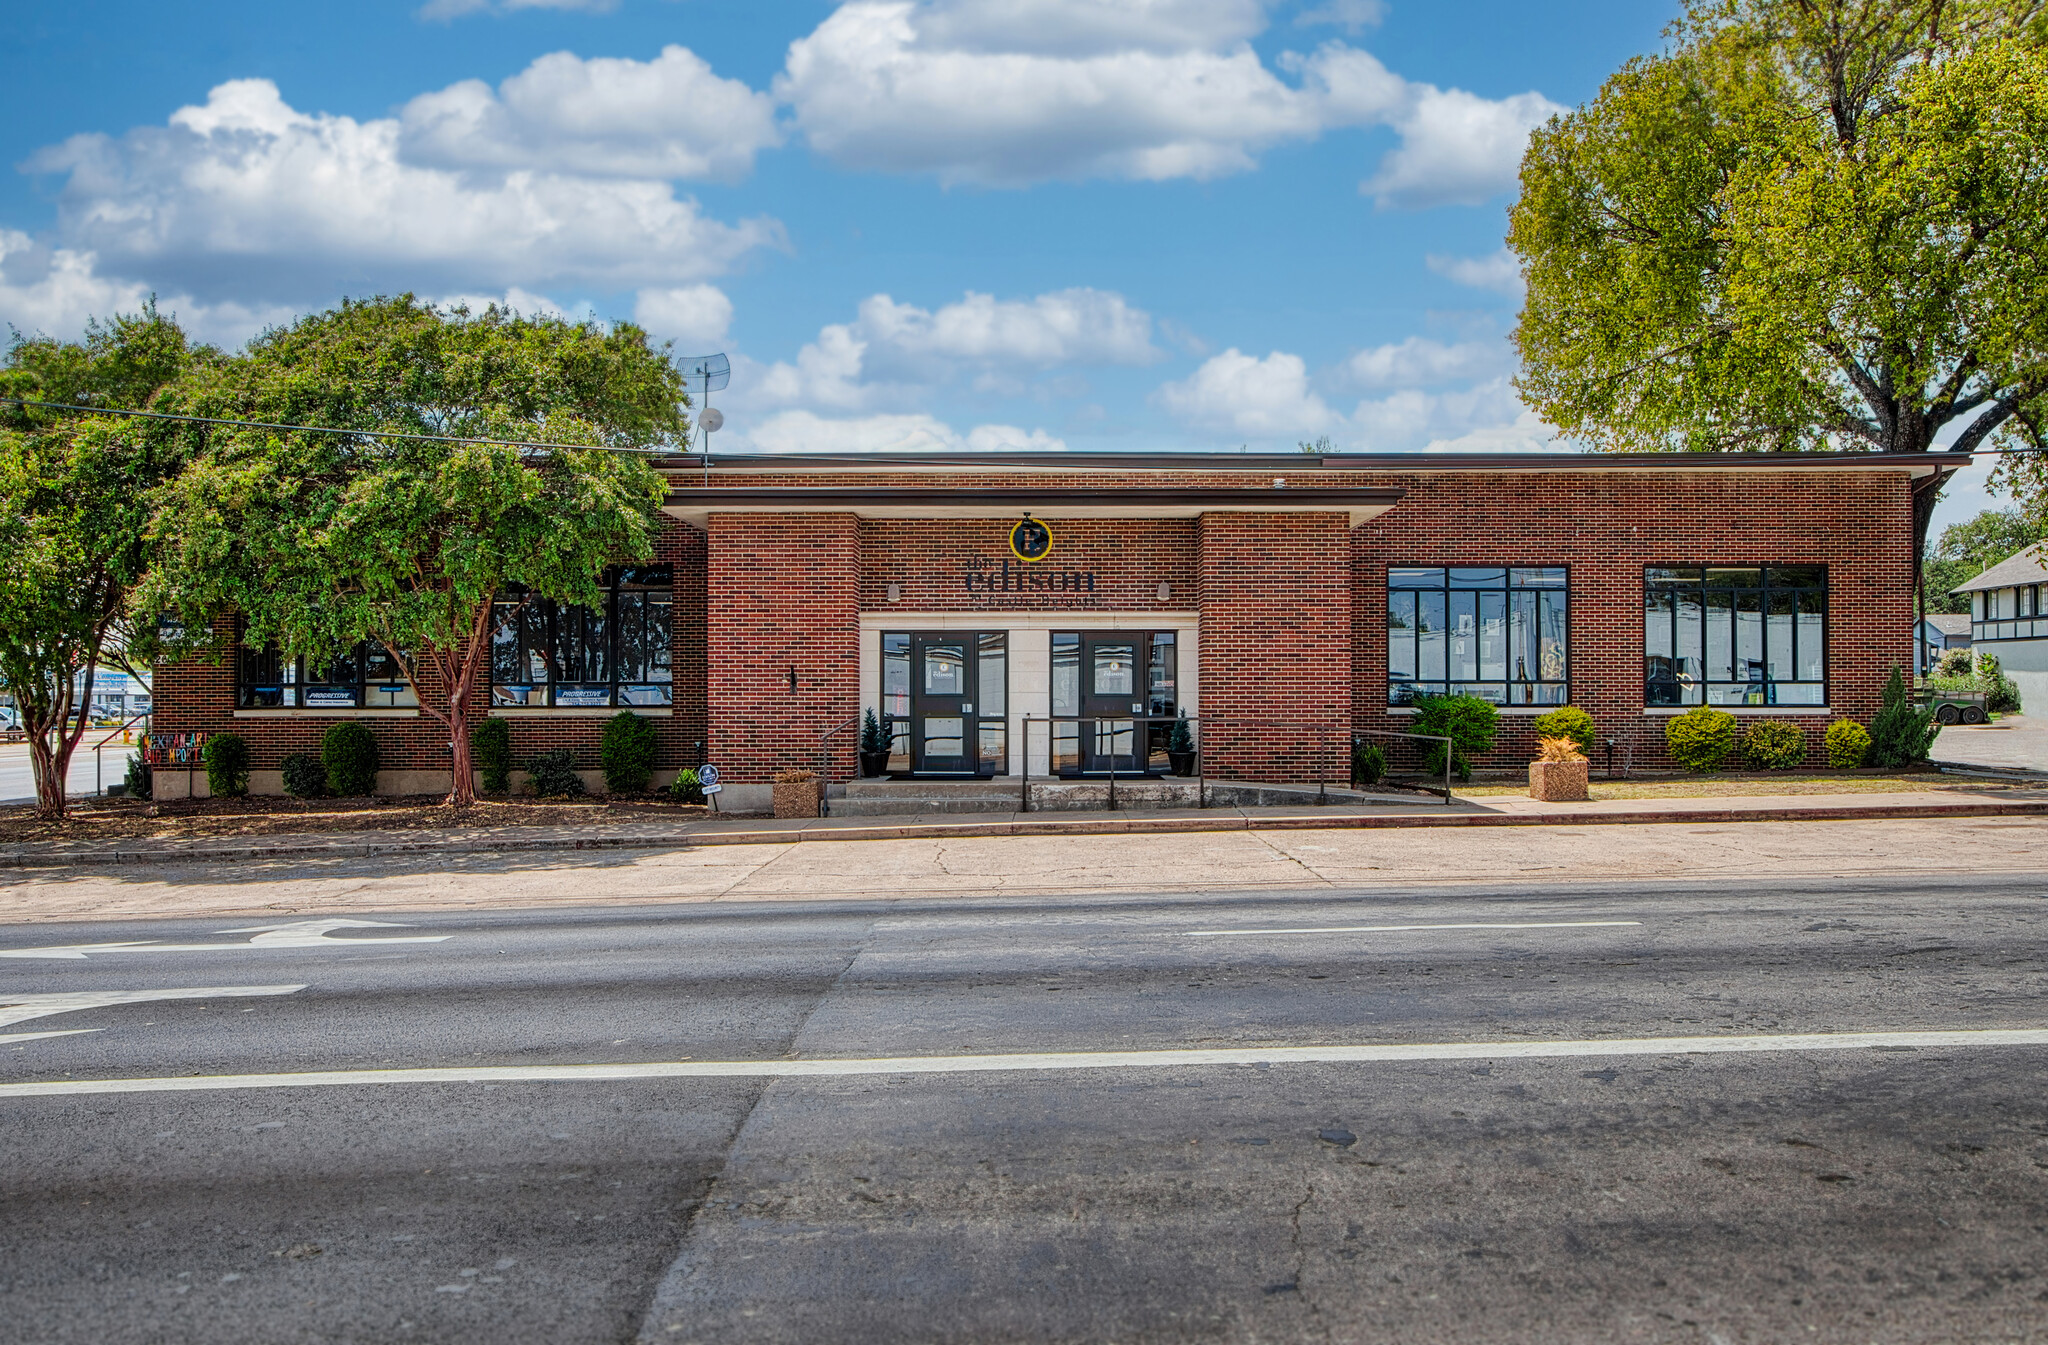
1498 811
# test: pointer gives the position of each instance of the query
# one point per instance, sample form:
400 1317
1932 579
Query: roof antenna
711 373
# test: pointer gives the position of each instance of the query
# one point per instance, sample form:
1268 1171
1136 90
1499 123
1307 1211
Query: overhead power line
331 429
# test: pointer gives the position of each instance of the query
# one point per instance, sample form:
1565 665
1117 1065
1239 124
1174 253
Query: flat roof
695 505
1915 464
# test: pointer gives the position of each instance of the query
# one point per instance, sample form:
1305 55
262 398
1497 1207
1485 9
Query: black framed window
1735 635
367 677
1498 632
545 654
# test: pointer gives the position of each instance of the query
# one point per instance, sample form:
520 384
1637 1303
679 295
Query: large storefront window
1735 635
1495 632
365 678
617 653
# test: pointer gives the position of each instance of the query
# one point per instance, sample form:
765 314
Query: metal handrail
1194 722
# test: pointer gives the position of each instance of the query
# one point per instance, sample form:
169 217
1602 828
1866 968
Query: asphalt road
1530 1187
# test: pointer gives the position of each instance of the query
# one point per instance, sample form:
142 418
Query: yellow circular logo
1030 540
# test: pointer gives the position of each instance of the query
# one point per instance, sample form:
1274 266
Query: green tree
75 492
1807 223
1965 550
321 539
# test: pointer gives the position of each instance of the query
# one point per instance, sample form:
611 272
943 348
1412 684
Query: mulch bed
183 819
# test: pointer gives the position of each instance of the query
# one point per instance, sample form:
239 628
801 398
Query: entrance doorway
1114 697
945 701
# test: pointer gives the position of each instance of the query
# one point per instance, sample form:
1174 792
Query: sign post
707 778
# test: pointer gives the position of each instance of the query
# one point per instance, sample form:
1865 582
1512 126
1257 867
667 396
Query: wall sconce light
895 593
1165 590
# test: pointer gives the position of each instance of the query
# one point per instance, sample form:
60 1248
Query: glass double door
946 695
1113 697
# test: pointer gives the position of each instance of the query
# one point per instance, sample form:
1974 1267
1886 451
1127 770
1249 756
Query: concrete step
897 798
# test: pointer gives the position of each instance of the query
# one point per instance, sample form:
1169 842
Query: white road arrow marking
296 934
21 1008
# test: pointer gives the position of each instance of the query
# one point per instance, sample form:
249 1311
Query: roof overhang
1355 502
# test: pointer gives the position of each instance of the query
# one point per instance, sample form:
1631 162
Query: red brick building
1062 611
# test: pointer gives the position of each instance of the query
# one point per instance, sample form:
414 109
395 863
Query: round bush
1467 721
138 780
490 751
553 775
305 775
1567 721
227 765
1847 743
686 787
349 752
1702 738
627 753
1368 764
1775 744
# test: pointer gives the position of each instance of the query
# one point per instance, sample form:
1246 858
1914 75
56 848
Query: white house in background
1942 631
2009 618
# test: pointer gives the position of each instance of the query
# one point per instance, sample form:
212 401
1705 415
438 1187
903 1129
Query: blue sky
1094 224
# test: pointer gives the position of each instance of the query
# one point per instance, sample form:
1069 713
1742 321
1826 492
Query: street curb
22 859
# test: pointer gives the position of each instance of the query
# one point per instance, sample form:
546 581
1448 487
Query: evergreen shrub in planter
349 751
490 747
1467 721
686 787
1848 742
1180 747
874 746
1775 745
227 765
552 775
1702 739
305 775
627 753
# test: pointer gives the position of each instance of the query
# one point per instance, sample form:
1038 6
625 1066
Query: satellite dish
712 420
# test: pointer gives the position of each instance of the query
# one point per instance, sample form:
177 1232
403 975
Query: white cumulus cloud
1457 148
1241 395
1353 16
695 317
1422 360
55 291
665 118
247 196
1500 272
807 432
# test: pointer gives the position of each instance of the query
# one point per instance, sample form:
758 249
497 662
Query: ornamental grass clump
1558 749
1567 721
1847 743
1775 745
1702 739
627 753
793 776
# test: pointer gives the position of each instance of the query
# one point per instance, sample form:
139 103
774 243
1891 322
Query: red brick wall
1276 645
930 561
1607 526
197 695
784 595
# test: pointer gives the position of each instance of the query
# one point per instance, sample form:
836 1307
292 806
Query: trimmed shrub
1567 721
1701 739
1467 721
686 787
1954 663
1900 735
227 765
1775 744
349 752
552 775
490 750
2001 693
1368 764
627 753
138 780
1848 742
305 775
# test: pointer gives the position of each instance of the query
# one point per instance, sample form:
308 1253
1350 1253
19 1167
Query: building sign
1030 540
1038 586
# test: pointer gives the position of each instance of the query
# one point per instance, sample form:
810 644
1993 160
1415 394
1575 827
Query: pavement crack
1293 859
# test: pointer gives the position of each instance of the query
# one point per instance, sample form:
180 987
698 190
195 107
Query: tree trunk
462 782
50 768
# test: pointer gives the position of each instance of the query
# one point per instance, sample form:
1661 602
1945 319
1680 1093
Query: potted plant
1559 775
874 747
1180 747
797 793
